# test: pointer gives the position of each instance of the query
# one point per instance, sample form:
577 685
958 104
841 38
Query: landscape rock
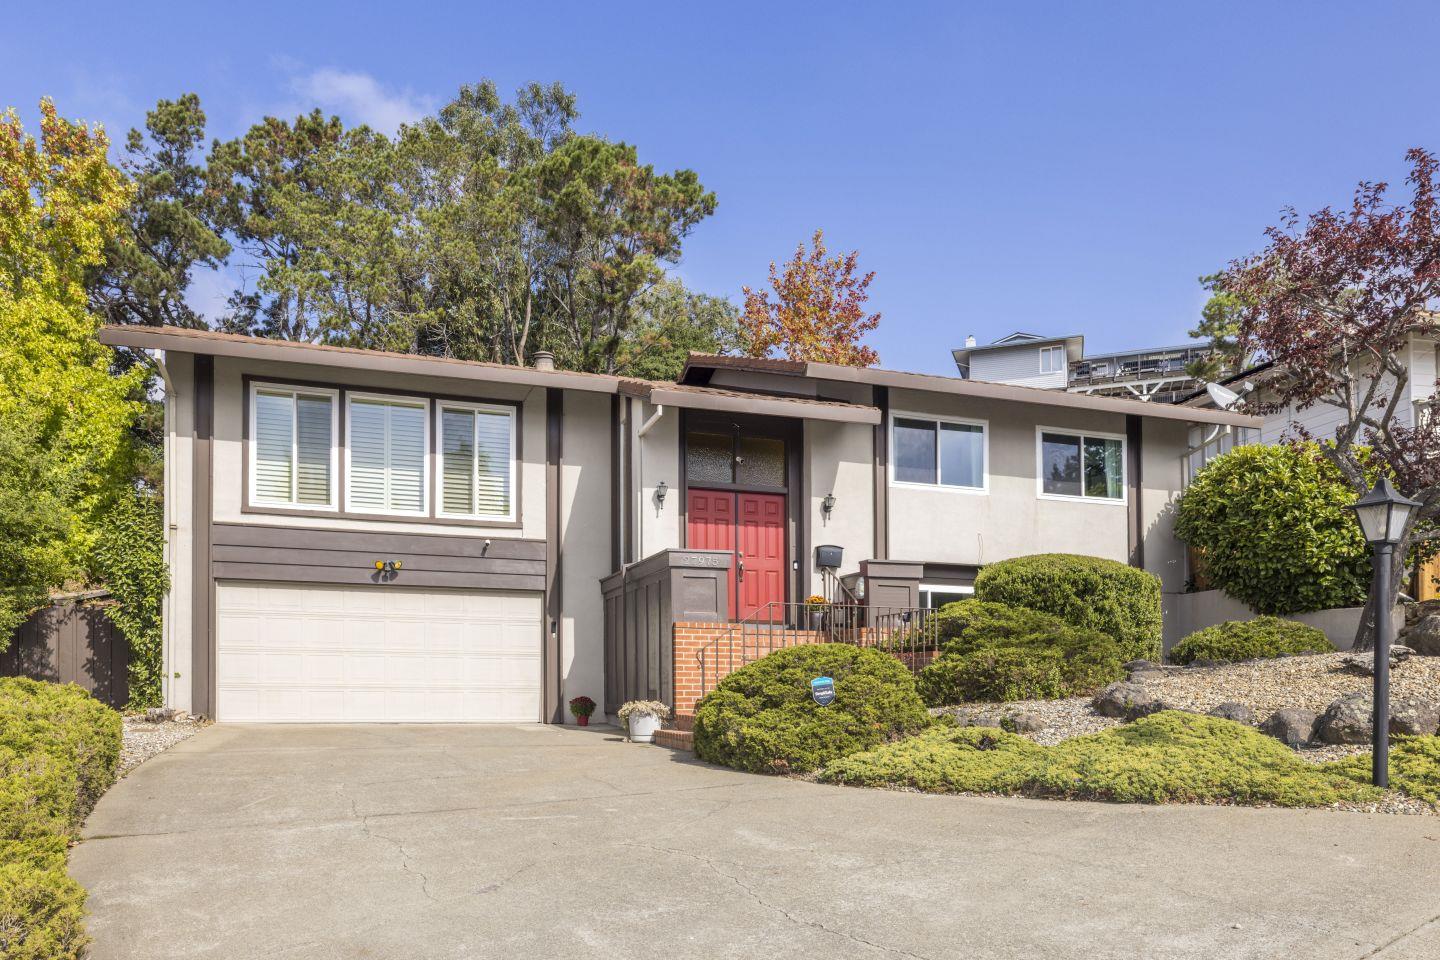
1127 700
1234 711
1414 717
1291 726
1423 634
1364 662
1140 669
1023 721
1347 720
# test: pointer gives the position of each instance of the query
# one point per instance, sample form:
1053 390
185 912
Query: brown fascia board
760 404
212 343
1036 395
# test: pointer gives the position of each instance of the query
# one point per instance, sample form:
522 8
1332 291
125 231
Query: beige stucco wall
585 539
230 413
179 532
839 460
656 458
947 525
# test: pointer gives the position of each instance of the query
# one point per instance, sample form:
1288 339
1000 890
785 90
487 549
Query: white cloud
209 292
360 98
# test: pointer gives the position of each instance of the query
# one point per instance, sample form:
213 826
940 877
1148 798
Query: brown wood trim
553 695
359 575
365 560
343 391
881 445
1134 479
410 544
797 503
684 427
202 586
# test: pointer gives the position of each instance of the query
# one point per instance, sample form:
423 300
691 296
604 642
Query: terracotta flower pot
583 721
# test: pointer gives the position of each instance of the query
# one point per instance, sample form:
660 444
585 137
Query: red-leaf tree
819 309
1335 300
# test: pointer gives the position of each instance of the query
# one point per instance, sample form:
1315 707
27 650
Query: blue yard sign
822 690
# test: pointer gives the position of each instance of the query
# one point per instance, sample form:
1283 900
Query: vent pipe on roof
544 360
970 341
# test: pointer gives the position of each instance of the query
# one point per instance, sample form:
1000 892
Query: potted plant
582 707
642 718
816 605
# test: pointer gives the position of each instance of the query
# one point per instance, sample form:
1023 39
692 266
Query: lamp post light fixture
1383 514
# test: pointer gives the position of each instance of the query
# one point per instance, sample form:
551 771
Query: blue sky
1054 167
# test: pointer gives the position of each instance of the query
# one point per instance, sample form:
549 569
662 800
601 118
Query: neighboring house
357 535
1320 420
1060 363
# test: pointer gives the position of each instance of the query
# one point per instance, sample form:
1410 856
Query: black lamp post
1382 513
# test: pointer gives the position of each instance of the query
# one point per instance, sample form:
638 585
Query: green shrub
1258 639
129 557
1120 601
762 718
68 725
1273 528
1167 757
1414 767
42 910
59 748
994 651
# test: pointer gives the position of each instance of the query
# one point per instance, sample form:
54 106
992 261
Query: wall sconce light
660 491
827 505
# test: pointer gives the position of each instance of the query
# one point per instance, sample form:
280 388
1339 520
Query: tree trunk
1365 632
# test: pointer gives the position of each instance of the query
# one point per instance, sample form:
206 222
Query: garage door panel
376 653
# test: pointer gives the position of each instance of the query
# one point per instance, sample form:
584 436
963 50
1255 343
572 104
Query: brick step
681 721
675 739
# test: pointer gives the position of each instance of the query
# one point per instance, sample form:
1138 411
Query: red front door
752 527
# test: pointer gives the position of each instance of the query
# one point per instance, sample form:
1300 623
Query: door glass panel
709 458
761 463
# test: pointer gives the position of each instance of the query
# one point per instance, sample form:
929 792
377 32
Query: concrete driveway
531 841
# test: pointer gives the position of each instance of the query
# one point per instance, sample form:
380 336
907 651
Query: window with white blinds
387 449
477 461
292 460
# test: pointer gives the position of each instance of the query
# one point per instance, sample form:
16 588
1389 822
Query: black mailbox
827 556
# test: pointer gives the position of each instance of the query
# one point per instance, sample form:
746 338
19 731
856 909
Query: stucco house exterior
364 536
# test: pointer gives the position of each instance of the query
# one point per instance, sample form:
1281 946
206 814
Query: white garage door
376 653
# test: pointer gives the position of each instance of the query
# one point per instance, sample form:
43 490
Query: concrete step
675 739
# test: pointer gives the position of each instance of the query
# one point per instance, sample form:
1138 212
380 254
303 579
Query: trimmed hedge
994 651
1258 639
59 749
1120 601
1167 757
761 718
1273 528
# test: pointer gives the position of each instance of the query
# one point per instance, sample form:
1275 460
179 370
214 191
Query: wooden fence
72 641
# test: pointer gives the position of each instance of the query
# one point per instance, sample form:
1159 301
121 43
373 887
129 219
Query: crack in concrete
399 846
754 895
1382 948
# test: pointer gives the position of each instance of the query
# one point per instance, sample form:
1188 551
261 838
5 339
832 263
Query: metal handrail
906 632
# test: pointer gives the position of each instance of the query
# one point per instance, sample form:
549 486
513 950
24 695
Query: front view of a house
364 536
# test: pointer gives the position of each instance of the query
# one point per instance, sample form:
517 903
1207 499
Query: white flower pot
643 727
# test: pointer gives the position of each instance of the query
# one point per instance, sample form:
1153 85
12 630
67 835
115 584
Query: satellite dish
1225 398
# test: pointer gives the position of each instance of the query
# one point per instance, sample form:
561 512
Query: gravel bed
144 739
1308 682
1059 719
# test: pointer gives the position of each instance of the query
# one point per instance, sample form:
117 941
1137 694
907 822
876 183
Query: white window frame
252 444
427 471
1040 492
984 426
1046 352
439 455
924 588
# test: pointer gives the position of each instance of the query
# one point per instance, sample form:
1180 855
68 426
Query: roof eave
284 351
